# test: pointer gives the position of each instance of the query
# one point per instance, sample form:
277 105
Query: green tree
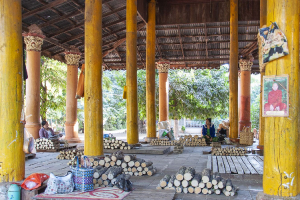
255 100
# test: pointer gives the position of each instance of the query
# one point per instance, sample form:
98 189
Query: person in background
46 131
208 130
222 131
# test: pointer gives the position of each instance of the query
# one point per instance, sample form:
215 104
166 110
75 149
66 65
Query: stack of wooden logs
46 144
110 177
216 144
69 154
186 180
187 140
116 144
228 151
178 148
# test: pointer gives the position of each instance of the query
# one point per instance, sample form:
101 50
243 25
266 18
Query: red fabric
274 99
37 178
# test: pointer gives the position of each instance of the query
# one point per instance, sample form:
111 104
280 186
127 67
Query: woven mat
103 193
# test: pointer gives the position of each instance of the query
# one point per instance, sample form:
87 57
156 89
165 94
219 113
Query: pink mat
103 193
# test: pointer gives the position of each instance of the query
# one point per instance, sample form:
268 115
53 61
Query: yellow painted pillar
281 143
33 40
163 69
150 73
263 21
93 106
233 71
72 57
131 72
12 158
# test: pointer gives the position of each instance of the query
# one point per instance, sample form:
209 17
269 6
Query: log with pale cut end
151 172
129 158
133 169
125 169
227 193
189 173
233 191
180 173
95 181
114 172
196 180
112 163
191 189
138 162
101 162
217 191
104 176
198 190
179 189
144 172
136 173
171 181
124 164
209 191
140 173
209 184
216 180
139 169
185 183
204 190
91 160
216 187
96 185
96 175
119 162
228 185
146 164
222 183
164 181
107 164
106 182
206 175
185 190
100 181
201 184
148 168
129 169
131 163
107 159
177 183
158 187
118 155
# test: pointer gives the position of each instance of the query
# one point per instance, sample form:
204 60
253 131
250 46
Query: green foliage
255 100
52 89
183 128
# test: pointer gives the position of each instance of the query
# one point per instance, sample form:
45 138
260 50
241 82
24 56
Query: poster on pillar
275 96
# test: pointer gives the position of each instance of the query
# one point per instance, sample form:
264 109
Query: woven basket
246 136
83 176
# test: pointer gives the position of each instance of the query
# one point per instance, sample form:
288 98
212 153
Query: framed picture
275 96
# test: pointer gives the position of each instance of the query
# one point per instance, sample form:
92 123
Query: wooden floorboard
221 166
256 165
215 164
227 168
249 166
208 166
231 165
246 170
261 157
237 165
150 194
259 160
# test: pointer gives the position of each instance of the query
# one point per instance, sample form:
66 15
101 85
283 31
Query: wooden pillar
281 143
163 68
33 40
131 72
233 71
150 73
12 158
239 94
245 67
263 21
93 106
72 57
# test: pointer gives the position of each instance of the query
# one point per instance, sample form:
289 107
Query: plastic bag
28 145
34 181
60 184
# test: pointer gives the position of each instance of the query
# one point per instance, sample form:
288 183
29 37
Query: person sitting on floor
47 132
208 130
222 132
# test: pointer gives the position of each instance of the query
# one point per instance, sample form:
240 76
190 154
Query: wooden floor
236 164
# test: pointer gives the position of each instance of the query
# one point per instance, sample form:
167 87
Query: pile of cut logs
186 180
187 140
110 177
116 144
229 151
47 144
216 144
178 148
69 154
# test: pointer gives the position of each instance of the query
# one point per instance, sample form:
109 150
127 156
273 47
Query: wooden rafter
141 58
158 48
180 40
44 7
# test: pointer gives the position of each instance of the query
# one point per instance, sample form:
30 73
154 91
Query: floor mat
103 193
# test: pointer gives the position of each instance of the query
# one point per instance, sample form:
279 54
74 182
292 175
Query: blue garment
211 130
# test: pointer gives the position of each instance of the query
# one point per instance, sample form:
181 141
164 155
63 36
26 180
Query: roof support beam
45 7
180 40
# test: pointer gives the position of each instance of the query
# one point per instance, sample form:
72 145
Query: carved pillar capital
163 66
34 38
73 56
245 65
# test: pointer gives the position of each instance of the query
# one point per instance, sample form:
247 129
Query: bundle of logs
216 144
229 151
110 143
47 144
187 140
186 180
111 177
69 154
178 148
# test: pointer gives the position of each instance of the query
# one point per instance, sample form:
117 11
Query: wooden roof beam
180 40
45 7
180 60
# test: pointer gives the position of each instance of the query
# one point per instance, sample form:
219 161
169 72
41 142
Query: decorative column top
73 56
262 65
246 64
34 38
163 66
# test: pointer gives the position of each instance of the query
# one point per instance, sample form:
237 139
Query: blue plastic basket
83 176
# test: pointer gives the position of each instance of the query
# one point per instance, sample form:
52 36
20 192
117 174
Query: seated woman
208 130
46 131
222 132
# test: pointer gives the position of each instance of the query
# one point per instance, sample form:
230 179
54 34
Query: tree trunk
164 181
196 180
189 173
180 173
